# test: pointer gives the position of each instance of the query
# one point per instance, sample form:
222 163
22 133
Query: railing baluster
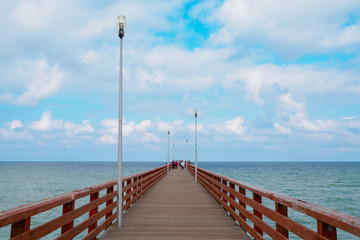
218 186
68 207
108 203
284 211
232 186
242 191
128 191
224 192
326 230
257 198
93 211
135 187
139 186
19 227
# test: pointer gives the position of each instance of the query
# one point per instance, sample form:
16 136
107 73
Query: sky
272 80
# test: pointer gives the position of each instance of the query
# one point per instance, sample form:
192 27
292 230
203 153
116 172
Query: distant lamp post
121 33
183 158
196 113
186 160
173 152
167 163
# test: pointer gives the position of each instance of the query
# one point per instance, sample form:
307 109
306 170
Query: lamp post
196 112
186 160
183 158
121 33
173 152
167 163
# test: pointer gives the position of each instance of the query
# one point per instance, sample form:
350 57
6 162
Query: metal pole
183 158
174 152
195 146
119 181
186 153
167 163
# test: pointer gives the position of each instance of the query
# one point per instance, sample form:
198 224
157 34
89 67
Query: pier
157 205
176 208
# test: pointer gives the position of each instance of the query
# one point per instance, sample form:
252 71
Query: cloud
235 125
46 123
142 132
90 57
305 80
42 81
168 69
12 133
15 124
34 15
276 25
293 117
111 125
288 103
108 139
176 125
282 129
349 118
73 129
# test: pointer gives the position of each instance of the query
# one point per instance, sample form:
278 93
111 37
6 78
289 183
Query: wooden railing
231 194
100 208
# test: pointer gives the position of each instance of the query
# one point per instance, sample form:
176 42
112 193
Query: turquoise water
333 185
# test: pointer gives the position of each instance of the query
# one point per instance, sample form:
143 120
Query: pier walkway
176 208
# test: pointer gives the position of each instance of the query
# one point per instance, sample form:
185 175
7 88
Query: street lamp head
187 140
121 26
196 112
168 131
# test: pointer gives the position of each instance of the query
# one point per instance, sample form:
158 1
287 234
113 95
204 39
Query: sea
335 185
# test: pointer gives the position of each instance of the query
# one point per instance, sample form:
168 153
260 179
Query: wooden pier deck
176 208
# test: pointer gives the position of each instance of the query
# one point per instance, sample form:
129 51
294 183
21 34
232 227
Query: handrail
134 187
231 195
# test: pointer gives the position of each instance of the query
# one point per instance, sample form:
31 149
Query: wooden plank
176 208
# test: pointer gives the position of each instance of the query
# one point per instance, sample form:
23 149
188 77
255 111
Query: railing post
224 182
326 230
218 192
142 183
128 182
257 198
232 186
109 202
92 212
242 191
20 227
68 207
135 192
283 210
139 186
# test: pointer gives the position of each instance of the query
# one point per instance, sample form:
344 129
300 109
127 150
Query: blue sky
272 80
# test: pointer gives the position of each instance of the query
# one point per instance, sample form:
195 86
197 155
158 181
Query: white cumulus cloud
42 81
46 123
15 124
289 27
